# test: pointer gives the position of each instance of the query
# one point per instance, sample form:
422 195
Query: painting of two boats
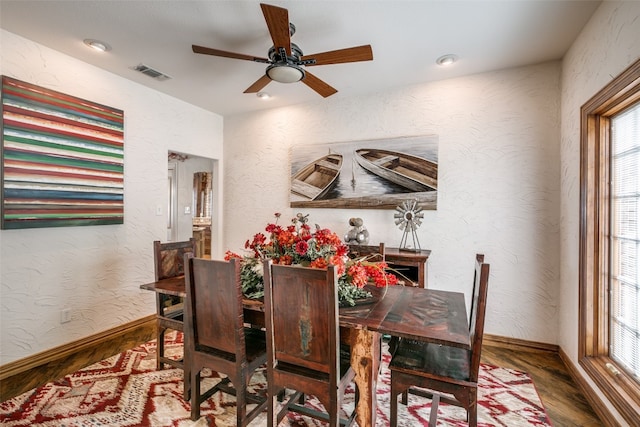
373 174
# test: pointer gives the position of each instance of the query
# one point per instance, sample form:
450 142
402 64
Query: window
624 321
609 340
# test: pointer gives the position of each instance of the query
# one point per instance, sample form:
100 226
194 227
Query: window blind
624 320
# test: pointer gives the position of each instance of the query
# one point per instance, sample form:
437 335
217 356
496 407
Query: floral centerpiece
296 244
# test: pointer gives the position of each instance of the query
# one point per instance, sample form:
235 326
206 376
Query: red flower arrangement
297 245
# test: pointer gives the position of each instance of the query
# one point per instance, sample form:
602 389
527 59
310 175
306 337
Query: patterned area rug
126 390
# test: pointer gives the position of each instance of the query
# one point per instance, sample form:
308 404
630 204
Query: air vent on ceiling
148 71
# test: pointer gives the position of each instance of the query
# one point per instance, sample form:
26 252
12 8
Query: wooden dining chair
216 338
168 261
443 369
303 343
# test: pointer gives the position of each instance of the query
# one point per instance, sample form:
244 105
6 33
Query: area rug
126 390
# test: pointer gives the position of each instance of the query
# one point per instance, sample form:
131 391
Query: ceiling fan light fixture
97 45
285 73
447 59
286 61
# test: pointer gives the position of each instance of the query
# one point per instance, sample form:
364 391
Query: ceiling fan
287 63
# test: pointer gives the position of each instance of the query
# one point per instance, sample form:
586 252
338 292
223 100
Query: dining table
431 315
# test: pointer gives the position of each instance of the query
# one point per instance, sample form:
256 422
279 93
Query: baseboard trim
66 350
518 344
596 403
24 374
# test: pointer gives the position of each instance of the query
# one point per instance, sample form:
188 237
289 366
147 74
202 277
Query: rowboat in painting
411 172
318 177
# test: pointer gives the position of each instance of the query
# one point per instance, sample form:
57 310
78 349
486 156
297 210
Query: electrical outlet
65 315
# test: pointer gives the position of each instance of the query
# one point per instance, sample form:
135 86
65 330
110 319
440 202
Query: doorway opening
191 200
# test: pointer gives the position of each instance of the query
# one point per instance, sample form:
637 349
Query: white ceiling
406 38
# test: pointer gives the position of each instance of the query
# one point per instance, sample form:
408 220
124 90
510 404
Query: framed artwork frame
368 174
62 159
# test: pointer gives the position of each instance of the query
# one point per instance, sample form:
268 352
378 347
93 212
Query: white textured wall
498 181
607 45
95 271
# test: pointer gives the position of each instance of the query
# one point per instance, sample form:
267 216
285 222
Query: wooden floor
564 402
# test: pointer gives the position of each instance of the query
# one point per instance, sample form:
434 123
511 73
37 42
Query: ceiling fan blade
225 54
258 85
278 23
318 85
341 56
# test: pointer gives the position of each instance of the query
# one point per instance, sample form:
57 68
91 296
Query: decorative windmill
408 217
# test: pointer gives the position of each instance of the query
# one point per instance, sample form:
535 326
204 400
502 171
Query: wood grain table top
409 312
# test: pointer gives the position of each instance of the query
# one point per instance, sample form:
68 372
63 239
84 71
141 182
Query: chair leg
393 411
472 413
160 347
405 397
195 394
334 411
433 415
187 382
272 396
240 384
473 417
241 406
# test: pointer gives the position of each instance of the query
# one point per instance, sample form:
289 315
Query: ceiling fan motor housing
279 55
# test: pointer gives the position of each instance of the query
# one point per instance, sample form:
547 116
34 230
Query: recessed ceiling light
263 95
97 45
448 59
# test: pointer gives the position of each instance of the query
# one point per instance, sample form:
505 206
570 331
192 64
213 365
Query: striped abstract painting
62 159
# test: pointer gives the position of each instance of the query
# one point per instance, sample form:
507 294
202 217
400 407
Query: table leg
365 361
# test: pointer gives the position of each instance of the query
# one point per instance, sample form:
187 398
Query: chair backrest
213 312
168 257
301 307
478 309
476 279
